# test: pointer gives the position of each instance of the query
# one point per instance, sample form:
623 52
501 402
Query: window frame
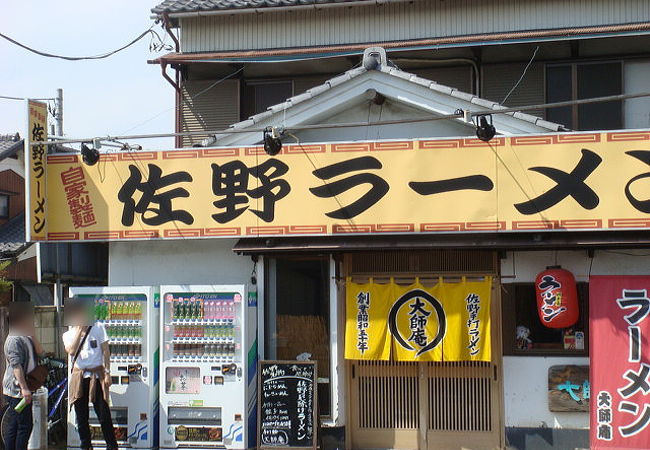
509 325
265 327
574 86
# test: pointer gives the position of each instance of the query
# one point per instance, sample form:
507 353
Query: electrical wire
184 100
149 31
7 97
456 115
521 77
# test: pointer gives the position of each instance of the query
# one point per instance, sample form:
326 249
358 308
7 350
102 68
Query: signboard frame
315 416
405 195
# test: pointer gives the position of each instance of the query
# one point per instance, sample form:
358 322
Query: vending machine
204 367
131 318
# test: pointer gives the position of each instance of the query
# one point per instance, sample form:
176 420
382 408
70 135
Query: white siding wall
525 378
209 261
400 21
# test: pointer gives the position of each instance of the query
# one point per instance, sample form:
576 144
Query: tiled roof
9 145
180 6
481 104
12 235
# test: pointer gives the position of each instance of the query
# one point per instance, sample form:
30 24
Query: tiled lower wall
46 330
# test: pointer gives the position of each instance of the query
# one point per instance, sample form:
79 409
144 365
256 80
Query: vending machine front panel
130 316
203 402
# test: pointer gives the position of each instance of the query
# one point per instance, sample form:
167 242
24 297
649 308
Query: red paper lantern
557 297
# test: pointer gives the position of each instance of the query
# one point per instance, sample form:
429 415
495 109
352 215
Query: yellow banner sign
35 168
445 322
572 181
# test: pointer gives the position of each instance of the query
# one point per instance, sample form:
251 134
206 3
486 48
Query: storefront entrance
427 405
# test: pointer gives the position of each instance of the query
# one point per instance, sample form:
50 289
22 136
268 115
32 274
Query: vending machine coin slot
135 369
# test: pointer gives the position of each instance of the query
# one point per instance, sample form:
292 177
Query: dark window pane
559 89
599 80
4 206
523 300
269 94
301 293
256 97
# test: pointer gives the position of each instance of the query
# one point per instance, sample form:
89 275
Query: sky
112 96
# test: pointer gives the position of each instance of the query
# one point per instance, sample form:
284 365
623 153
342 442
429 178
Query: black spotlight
484 130
90 156
272 142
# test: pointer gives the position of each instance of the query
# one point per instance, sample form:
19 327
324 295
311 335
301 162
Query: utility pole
58 286
59 112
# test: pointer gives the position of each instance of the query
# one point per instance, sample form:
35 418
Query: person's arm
71 345
22 382
106 353
15 360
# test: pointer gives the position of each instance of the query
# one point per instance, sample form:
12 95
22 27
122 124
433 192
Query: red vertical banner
619 351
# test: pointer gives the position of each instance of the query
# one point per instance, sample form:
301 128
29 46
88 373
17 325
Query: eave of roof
185 8
442 42
11 149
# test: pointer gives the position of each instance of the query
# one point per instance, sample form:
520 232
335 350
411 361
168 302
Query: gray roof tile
10 144
546 124
441 88
462 95
484 103
12 234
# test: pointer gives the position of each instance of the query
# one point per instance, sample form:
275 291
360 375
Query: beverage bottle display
207 309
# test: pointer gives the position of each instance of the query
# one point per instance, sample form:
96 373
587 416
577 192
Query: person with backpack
87 343
22 351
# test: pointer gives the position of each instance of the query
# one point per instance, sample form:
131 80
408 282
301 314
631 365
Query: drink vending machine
204 367
131 318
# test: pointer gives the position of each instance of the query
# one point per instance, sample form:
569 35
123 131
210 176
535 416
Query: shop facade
365 404
301 270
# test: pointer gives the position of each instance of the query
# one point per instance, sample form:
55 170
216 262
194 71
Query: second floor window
257 96
581 81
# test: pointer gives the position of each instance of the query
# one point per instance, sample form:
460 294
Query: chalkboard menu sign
287 405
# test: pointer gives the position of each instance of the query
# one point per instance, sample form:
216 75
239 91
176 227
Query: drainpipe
178 140
177 87
177 46
168 27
